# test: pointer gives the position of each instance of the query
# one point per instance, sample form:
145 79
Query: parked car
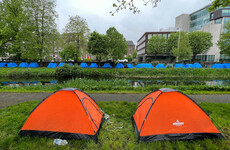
123 60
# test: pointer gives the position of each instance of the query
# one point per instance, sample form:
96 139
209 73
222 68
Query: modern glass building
213 22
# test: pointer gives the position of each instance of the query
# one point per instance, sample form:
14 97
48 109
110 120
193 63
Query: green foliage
76 34
156 45
70 52
224 42
117 45
200 41
98 45
134 54
218 3
65 71
116 133
184 51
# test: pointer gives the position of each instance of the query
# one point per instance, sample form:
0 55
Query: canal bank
8 99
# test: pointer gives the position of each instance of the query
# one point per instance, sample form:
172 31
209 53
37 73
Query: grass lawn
118 133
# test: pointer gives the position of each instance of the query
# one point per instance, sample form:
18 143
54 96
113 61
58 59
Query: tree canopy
218 3
117 46
184 51
157 45
98 45
200 41
224 42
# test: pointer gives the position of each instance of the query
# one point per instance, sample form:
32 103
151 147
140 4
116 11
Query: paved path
7 99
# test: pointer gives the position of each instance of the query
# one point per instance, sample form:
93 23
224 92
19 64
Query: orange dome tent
167 114
68 114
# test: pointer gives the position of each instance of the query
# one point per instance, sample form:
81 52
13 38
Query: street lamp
178 43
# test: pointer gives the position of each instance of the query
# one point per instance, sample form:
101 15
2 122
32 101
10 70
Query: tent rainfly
67 114
168 114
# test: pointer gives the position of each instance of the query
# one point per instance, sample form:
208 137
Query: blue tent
217 66
226 65
53 82
52 65
61 64
179 66
189 66
23 65
160 66
129 66
144 66
93 65
2 64
71 64
33 65
197 65
119 65
107 65
11 65
83 65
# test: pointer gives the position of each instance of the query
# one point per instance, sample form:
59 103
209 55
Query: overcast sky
132 26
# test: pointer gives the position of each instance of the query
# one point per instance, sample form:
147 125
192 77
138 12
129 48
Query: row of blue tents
22 65
108 65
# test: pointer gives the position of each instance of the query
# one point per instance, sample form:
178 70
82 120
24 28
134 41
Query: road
7 99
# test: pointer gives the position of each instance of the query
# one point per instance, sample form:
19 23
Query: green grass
111 135
118 86
122 73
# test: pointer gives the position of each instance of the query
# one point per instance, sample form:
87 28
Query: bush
88 60
65 71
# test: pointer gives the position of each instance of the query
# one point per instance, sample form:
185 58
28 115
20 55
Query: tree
218 3
40 28
69 52
76 34
200 41
97 45
224 42
184 51
124 4
156 45
117 45
12 18
134 54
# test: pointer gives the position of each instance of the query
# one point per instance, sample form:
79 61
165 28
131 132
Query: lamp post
178 45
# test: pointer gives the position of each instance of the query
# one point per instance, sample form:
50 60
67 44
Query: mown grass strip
117 134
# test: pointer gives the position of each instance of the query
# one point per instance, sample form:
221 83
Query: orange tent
167 114
67 114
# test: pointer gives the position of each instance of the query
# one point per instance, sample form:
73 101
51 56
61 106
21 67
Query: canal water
133 82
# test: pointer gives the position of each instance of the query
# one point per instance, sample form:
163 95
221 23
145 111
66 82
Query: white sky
132 26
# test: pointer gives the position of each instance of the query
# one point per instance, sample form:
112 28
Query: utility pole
178 45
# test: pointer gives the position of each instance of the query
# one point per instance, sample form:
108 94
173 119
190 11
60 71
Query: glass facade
218 21
206 58
199 19
226 12
226 20
224 57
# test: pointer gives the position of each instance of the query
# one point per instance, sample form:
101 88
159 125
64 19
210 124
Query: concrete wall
183 21
215 30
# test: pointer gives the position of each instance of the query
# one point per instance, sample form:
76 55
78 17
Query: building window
206 58
149 36
212 16
218 21
224 57
165 36
226 12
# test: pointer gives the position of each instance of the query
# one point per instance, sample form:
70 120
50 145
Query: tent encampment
144 66
119 65
52 65
11 65
107 65
168 114
217 66
93 65
197 65
71 64
179 66
83 65
160 66
33 65
23 65
67 114
61 64
129 66
226 65
2 64
189 66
